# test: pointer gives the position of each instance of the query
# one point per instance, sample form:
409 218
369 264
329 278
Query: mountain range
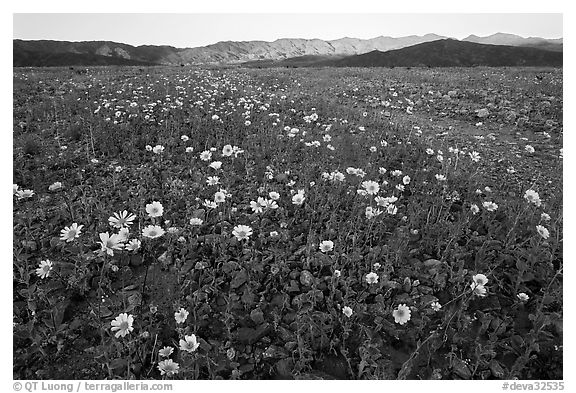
65 53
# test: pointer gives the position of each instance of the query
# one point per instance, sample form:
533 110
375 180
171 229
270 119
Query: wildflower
181 315
227 150
397 173
168 367
123 234
70 233
55 186
373 149
213 180
545 217
391 209
347 311
402 314
133 245
274 195
400 187
152 231
148 148
436 306
326 138
256 207
479 290
166 352
189 149
154 209
219 197
298 198
474 209
529 149
273 234
189 344
122 325
216 165
480 279
269 204
326 245
430 152
184 138
153 309
542 231
406 180
440 177
110 243
490 206
377 266
158 149
21 194
210 204
371 187
242 232
195 221
533 197
121 219
372 278
337 273
44 269
474 156
523 297
206 155
382 171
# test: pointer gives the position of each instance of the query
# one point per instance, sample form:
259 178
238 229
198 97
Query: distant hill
296 52
453 53
516 40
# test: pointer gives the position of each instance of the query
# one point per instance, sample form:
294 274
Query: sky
190 30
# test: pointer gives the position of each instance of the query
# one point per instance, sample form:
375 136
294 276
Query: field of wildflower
229 223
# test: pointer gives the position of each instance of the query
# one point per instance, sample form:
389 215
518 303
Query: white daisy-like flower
523 297
542 231
154 209
168 367
152 231
158 149
70 233
371 187
110 243
372 278
181 315
402 314
490 206
474 209
347 311
55 186
122 325
44 269
326 246
121 219
195 221
166 352
242 232
189 344
436 306
133 245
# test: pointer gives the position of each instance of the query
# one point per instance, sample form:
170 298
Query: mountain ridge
55 53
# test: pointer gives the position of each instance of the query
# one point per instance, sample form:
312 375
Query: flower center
124 326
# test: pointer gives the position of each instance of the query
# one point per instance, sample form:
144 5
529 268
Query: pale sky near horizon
191 30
